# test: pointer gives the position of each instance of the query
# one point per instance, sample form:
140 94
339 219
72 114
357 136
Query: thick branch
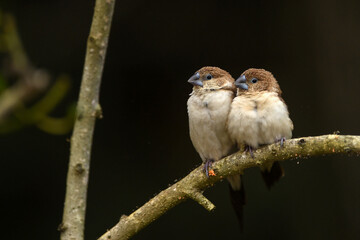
233 164
88 109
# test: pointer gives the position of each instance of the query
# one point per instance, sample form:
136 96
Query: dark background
142 144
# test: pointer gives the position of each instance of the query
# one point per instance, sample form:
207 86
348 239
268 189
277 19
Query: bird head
257 80
212 79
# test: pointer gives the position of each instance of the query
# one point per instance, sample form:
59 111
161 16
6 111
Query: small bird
259 116
208 109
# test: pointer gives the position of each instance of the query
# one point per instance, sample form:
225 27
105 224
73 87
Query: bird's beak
195 80
241 83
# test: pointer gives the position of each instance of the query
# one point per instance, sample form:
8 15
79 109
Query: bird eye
254 80
209 76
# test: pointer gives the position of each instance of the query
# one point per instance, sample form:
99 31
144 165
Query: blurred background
142 144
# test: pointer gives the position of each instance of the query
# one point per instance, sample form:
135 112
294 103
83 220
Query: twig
196 181
88 109
201 199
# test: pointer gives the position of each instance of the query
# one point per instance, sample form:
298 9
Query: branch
88 109
196 182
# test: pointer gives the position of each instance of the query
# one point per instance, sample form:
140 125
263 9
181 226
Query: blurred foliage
3 83
15 64
38 113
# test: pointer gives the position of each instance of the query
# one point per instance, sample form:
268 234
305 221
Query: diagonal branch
196 182
88 109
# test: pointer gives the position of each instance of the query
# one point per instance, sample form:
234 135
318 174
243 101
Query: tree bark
193 185
88 109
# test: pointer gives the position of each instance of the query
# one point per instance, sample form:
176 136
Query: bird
208 109
259 116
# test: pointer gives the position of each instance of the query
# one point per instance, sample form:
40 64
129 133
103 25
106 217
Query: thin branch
88 109
231 165
202 200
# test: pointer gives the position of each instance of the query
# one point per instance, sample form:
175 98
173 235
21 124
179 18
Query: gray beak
241 83
195 80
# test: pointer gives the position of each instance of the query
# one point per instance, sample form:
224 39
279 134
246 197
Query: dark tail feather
274 175
237 198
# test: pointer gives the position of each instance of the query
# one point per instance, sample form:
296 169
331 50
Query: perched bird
208 109
259 116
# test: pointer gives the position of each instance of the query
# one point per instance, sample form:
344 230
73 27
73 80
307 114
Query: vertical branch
88 109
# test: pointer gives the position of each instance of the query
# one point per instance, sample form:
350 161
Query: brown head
212 79
257 80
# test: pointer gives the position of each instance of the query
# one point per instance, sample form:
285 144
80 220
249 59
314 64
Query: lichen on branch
196 181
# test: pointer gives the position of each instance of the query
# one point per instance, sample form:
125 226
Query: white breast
207 121
259 119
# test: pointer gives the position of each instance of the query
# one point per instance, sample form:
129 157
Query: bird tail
272 174
237 197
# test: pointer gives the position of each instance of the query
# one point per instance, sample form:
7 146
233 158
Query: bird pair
226 115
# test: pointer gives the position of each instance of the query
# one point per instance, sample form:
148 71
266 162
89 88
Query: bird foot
207 166
282 141
249 149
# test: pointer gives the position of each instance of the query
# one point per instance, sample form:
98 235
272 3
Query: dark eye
254 80
209 76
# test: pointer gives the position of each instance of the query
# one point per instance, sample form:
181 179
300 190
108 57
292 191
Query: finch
259 116
208 110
